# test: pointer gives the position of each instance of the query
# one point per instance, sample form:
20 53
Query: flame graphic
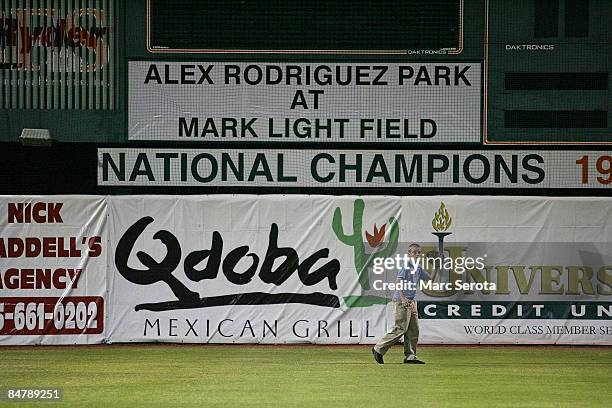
378 237
441 220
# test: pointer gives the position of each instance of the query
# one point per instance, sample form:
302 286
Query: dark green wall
70 166
513 23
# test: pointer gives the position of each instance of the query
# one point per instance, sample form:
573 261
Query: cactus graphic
363 259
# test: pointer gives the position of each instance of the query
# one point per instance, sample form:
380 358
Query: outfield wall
293 269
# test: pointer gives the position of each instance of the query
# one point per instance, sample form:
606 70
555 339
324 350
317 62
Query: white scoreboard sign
305 102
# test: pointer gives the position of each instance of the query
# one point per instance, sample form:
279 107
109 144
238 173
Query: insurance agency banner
53 256
289 269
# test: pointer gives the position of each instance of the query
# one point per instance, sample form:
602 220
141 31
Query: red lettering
32 247
95 246
40 278
49 247
27 279
43 279
37 209
56 279
15 213
40 212
11 278
62 252
28 212
75 252
15 249
53 212
73 36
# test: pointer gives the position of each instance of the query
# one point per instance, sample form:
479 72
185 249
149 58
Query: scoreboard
410 93
548 67
545 63
305 26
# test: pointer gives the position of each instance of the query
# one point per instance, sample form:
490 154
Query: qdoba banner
297 102
53 269
284 269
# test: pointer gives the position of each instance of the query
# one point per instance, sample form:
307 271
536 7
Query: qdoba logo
187 299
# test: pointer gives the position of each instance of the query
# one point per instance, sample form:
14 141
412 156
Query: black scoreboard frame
485 108
156 50
486 139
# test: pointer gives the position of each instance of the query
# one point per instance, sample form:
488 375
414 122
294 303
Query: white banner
53 269
298 102
354 168
284 269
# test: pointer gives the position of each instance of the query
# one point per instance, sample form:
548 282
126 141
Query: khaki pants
406 326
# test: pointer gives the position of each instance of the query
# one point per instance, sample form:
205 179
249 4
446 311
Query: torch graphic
441 223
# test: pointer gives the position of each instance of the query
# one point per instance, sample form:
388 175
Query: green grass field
312 376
